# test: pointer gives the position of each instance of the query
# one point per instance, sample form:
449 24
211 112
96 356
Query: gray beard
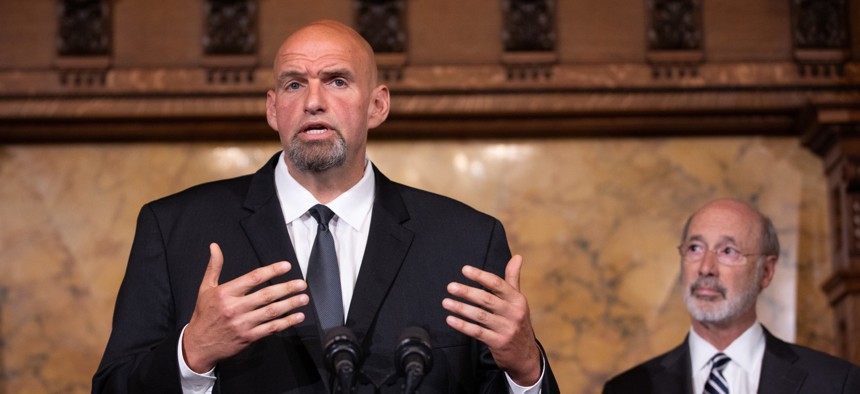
317 156
723 311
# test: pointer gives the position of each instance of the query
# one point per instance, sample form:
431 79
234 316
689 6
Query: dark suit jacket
418 242
786 368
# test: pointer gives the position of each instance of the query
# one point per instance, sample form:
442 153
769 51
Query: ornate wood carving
820 24
674 38
529 25
231 27
675 25
383 24
230 40
529 38
820 33
83 42
84 28
834 134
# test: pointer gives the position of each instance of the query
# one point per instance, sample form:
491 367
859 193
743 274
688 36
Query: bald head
768 240
329 36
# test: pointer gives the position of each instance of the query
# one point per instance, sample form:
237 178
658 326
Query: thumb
213 269
512 271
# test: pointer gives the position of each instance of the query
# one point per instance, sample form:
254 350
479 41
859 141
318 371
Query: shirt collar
352 206
742 350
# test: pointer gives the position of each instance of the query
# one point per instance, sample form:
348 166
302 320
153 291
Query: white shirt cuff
514 388
193 382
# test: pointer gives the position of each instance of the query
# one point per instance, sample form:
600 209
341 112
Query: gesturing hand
501 320
226 319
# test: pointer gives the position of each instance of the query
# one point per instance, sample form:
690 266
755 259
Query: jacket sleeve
141 353
494 380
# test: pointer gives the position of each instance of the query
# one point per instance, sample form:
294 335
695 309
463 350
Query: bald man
215 299
728 253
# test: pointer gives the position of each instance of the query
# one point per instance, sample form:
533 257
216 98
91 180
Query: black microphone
342 358
413 357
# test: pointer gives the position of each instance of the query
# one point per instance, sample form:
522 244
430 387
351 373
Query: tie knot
322 214
719 361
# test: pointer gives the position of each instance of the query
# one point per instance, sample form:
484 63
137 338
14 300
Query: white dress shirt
743 371
350 227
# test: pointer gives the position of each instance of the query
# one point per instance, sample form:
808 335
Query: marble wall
597 221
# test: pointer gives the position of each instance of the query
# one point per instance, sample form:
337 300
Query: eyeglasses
694 252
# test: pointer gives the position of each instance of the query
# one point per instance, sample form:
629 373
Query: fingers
270 303
275 326
276 310
213 269
490 314
503 288
488 337
512 271
243 284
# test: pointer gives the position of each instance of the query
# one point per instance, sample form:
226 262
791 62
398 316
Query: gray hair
769 238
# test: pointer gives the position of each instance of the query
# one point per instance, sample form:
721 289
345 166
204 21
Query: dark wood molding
833 133
432 102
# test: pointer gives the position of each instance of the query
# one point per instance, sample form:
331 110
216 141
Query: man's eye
339 83
729 251
293 85
694 248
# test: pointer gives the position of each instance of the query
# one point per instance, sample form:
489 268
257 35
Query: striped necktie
717 383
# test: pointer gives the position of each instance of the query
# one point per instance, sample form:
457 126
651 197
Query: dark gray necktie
323 273
717 383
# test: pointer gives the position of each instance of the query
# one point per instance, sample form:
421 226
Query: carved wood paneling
83 42
383 24
231 27
674 25
84 28
820 30
230 41
529 25
674 38
834 134
529 39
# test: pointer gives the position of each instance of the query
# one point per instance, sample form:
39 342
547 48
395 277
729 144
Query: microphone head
413 346
340 344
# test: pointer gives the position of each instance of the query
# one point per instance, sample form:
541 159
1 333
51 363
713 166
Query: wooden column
834 134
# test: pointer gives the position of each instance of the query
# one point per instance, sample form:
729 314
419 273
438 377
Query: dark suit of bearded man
786 369
417 243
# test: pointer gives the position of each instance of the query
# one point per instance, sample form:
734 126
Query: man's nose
709 264
315 98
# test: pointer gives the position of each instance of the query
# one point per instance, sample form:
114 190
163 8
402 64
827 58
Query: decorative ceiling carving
529 25
383 24
675 25
84 28
674 38
231 27
820 24
820 34
230 41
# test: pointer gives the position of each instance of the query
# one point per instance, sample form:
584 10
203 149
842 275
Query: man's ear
769 268
380 103
271 113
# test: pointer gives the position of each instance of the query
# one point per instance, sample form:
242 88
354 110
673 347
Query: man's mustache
708 282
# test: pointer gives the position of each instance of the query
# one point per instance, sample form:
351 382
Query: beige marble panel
597 221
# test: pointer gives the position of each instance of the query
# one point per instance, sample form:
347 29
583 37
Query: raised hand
498 317
227 319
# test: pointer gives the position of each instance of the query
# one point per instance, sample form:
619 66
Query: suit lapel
778 373
676 375
387 244
267 233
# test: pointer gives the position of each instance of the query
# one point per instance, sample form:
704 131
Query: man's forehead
319 54
725 223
